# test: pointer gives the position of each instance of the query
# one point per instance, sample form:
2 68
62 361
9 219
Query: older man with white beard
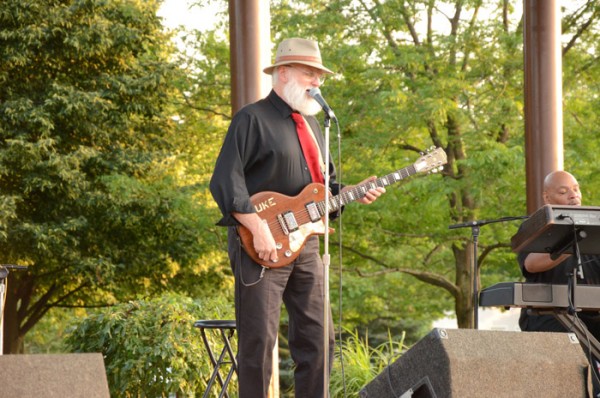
262 151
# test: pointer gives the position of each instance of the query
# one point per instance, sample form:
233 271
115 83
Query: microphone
316 94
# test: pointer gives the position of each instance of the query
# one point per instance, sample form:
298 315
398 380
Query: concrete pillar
250 50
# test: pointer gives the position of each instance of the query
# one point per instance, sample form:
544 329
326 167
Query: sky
180 12
488 319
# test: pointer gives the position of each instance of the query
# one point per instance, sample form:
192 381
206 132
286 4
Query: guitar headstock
433 161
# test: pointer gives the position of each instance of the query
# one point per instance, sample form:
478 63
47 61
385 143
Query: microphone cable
340 259
578 271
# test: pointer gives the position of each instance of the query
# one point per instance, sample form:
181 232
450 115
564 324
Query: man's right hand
263 241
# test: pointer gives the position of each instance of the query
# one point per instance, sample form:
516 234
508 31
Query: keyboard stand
589 343
581 331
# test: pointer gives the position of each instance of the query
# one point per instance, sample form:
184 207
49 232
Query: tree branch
424 276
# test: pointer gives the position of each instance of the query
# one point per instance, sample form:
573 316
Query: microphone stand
475 227
326 263
3 278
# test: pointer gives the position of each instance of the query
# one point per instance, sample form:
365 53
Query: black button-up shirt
261 152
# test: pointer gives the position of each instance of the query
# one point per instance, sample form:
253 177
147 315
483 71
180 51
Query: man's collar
284 109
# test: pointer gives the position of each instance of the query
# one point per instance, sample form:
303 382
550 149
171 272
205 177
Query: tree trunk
463 256
13 342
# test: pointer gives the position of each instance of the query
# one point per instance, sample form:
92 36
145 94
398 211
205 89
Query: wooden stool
226 329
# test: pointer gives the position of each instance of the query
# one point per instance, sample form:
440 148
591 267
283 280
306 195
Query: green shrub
151 348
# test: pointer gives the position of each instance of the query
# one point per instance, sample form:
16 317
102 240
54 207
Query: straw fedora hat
298 51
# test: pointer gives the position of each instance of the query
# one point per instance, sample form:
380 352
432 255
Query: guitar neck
360 191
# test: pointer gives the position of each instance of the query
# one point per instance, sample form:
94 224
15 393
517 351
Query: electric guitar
292 220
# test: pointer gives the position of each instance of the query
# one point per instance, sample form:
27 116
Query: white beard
297 97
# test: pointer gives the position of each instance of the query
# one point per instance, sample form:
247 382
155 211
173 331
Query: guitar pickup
289 221
313 212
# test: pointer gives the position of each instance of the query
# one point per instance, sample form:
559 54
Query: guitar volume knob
278 246
288 253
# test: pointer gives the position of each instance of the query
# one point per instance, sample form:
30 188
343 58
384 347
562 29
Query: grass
358 363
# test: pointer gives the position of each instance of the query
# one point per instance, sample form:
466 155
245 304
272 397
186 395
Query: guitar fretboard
360 190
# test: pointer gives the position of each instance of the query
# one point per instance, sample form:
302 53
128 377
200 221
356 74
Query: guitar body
291 220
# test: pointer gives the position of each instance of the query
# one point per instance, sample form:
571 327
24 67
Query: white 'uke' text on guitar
292 220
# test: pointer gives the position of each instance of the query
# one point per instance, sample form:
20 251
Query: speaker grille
49 376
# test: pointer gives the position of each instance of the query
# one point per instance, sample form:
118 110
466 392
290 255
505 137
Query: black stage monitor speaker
466 363
53 376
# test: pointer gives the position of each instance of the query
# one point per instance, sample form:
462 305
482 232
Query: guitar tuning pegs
436 170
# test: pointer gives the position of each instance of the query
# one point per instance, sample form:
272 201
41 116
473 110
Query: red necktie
310 150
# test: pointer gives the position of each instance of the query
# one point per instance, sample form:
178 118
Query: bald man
560 188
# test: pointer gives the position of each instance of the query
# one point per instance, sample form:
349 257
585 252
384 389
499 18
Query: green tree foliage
92 198
150 347
580 96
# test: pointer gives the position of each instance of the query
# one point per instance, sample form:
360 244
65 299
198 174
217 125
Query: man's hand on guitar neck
263 241
373 193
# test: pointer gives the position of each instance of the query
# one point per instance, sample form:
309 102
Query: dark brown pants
259 294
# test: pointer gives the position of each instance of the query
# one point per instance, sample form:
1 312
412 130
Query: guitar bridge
313 212
282 224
